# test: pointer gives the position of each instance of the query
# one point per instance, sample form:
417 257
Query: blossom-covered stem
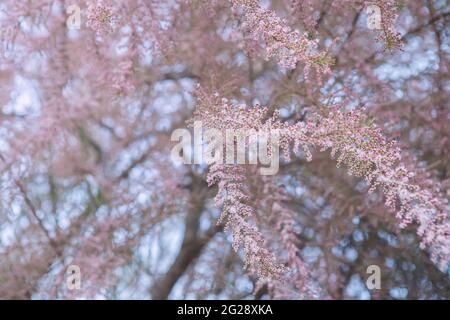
297 278
287 46
359 144
236 214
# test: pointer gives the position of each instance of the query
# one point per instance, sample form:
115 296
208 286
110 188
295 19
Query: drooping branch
360 145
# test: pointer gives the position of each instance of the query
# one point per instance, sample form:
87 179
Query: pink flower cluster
287 46
368 154
101 17
389 13
297 277
355 142
235 212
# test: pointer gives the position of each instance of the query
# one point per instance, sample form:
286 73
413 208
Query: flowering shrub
87 180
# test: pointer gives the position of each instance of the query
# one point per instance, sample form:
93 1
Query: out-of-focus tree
91 92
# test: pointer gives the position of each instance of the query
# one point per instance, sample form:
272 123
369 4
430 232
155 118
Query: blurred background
88 106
